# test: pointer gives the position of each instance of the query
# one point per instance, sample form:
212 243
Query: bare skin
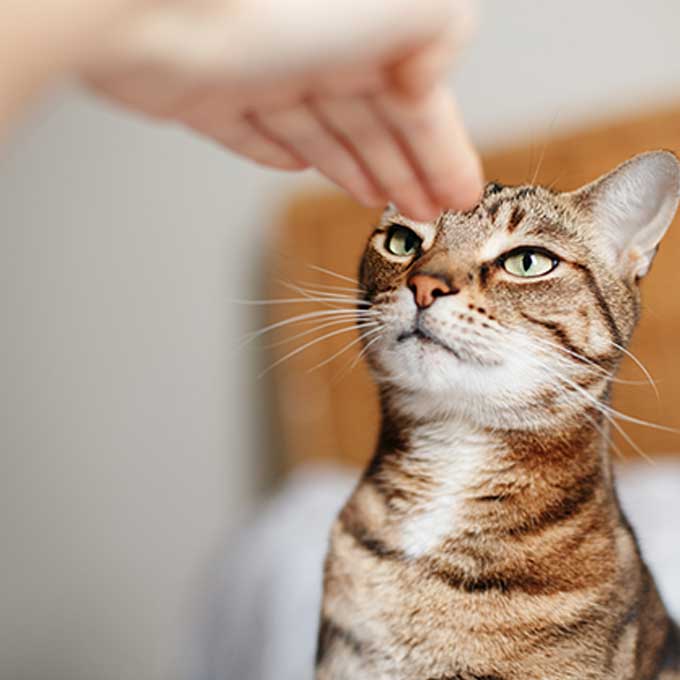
356 92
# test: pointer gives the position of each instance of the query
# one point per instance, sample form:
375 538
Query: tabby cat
485 540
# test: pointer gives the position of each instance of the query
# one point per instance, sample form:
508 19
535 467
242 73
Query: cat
485 541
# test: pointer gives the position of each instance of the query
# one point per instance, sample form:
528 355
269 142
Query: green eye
402 241
529 263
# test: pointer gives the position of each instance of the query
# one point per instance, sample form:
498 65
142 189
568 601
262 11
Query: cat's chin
431 378
427 368
437 352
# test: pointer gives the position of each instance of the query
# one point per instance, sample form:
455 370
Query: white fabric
264 600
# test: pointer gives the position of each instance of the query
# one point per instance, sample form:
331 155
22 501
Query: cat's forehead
505 212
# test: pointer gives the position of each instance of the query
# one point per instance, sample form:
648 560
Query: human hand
352 89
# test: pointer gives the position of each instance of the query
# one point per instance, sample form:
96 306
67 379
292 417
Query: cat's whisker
648 377
590 367
580 357
544 148
350 344
307 345
348 314
600 407
310 293
363 353
326 286
353 362
640 365
630 441
315 329
330 272
606 436
297 300
552 184
639 421
607 411
612 421
540 163
623 416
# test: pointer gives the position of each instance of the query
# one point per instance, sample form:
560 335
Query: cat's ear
632 207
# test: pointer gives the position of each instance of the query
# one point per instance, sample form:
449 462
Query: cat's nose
427 287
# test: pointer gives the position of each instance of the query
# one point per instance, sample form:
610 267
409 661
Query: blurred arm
355 90
42 39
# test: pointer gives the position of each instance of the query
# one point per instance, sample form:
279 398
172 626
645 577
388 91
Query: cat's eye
529 262
402 241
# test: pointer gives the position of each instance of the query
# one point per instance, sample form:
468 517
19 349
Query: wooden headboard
330 413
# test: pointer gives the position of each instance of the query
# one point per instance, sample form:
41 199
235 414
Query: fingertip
414 200
465 188
419 212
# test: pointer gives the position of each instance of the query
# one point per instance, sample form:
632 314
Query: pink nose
426 288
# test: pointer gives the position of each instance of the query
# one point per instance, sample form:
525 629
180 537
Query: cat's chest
415 626
456 472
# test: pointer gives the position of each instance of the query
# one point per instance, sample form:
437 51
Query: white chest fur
458 462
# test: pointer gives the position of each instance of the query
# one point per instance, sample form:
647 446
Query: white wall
127 434
541 65
130 428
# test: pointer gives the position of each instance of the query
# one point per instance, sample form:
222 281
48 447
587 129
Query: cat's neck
445 478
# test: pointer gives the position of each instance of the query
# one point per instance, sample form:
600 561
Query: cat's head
517 311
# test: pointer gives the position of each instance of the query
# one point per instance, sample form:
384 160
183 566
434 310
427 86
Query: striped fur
485 540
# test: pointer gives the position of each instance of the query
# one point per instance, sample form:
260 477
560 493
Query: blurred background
135 436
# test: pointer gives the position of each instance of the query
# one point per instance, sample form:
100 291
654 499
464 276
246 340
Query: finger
425 64
414 75
210 115
354 79
355 121
245 139
434 137
301 130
